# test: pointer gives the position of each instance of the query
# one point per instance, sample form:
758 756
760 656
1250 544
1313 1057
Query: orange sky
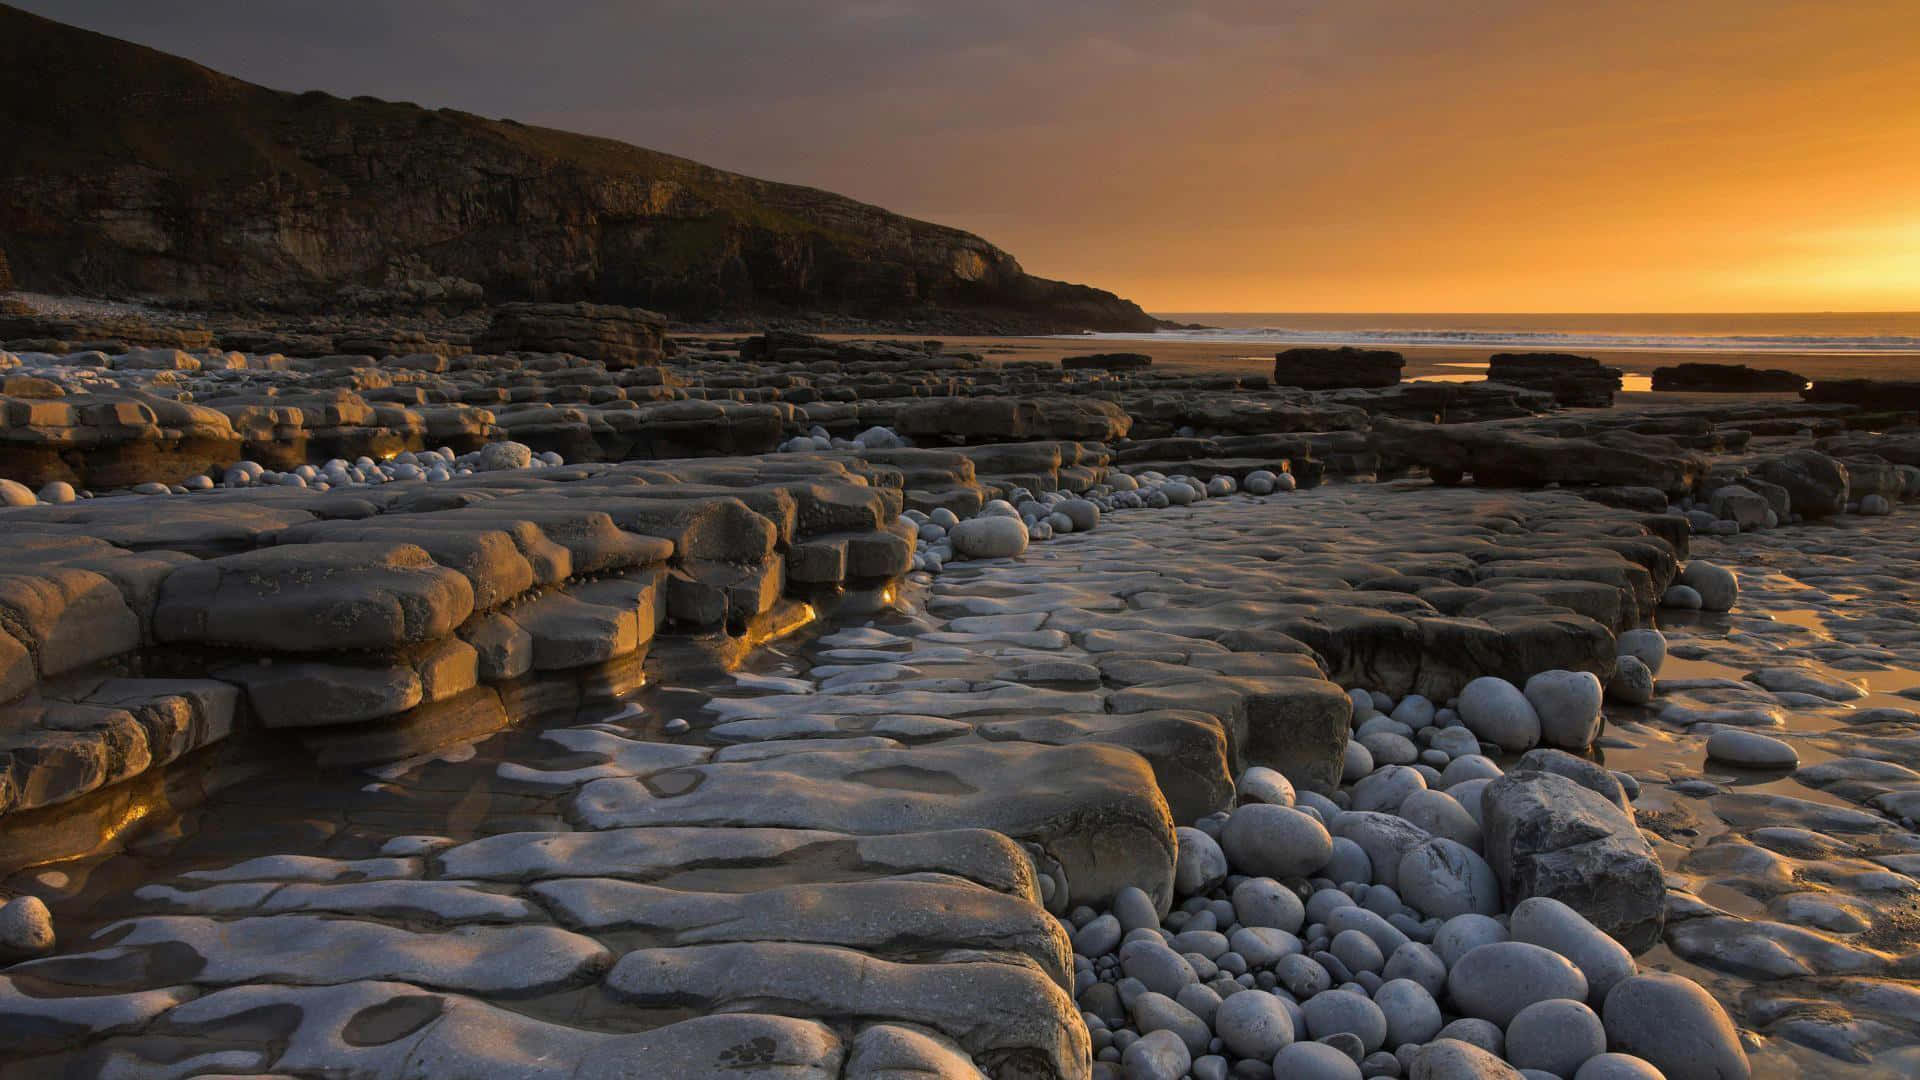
1221 155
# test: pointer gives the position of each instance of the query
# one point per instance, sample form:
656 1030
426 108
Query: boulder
1333 369
1547 835
1815 482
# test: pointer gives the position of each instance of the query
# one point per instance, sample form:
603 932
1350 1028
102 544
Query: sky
1244 155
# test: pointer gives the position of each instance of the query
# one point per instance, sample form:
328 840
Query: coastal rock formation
133 172
1579 381
1332 369
1726 379
614 336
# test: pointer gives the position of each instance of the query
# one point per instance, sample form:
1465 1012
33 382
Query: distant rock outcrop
1579 381
1727 379
130 172
1337 369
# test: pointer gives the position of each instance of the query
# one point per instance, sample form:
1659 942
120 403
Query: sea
1836 332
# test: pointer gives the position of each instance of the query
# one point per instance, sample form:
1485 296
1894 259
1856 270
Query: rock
1476 1032
1719 589
1261 784
1555 1036
1451 1059
1356 761
1631 682
1199 864
1547 835
1681 598
1646 645
1386 788
1442 815
1568 706
1158 1012
1420 964
1743 506
1462 934
1098 938
1443 878
1697 378
1275 841
1875 505
499 456
1676 1026
1157 1055
1412 1014
1135 910
26 929
1575 381
1264 902
1497 712
1751 750
1384 838
1115 361
13 493
1314 1061
1332 369
1550 924
1254 1025
1587 774
1494 982
1338 1011
1617 1067
1816 484
993 537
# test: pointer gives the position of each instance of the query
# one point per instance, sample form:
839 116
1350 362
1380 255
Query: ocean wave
1535 340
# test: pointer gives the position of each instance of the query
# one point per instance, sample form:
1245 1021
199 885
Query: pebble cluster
1307 942
1004 527
432 466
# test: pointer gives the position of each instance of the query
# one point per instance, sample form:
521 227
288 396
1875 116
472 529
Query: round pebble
1314 1061
1556 1036
1494 982
1275 841
1497 712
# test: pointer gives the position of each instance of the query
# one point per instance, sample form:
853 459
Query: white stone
1497 712
26 929
1718 587
1647 645
1751 750
1261 784
1568 705
497 456
990 537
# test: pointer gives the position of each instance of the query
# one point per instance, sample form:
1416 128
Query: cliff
130 172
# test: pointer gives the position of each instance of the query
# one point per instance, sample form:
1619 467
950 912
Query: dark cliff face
131 172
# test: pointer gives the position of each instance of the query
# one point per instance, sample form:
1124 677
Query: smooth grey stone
1750 749
1494 982
1210 1067
1390 748
1347 1043
1262 946
1098 938
1342 1010
1631 683
1469 767
1262 901
1681 597
1157 1055
1302 976
1208 943
1464 933
1357 951
1645 645
989 537
1444 878
1356 761
1159 968
1550 924
1135 909
1617 1067
1254 1025
1199 999
1496 711
1275 841
1414 711
1363 708
1484 1034
1718 587
1381 1063
1158 1012
1383 900
1455 742
1387 786
1383 933
1261 784
1412 1013
1442 815
1418 963
1568 705
1384 837
1314 1061
1556 1036
1588 774
1451 1059
1323 903
1199 864
1674 1025
1318 803
1349 862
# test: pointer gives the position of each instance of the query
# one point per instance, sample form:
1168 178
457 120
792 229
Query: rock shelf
852 708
